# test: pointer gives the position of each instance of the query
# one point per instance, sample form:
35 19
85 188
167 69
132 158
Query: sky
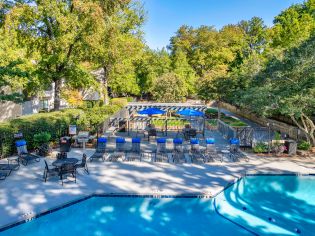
164 17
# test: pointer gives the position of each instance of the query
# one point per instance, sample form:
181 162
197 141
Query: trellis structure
131 122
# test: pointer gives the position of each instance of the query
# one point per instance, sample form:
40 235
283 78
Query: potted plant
304 146
41 143
260 148
278 147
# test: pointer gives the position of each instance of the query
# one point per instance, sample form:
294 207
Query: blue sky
166 16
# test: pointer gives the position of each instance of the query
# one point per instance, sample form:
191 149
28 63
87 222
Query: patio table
60 162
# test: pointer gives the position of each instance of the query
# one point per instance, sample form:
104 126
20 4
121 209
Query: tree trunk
105 85
57 94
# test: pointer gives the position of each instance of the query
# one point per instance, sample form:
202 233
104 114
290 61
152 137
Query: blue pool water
265 205
271 205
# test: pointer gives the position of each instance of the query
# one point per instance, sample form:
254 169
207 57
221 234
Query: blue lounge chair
135 152
24 156
100 152
161 152
178 152
120 149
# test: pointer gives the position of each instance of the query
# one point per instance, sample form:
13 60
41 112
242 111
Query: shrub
260 148
121 102
304 145
41 138
54 123
211 113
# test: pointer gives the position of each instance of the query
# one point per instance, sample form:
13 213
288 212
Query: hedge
55 123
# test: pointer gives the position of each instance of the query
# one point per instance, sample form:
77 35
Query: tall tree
120 48
57 31
294 25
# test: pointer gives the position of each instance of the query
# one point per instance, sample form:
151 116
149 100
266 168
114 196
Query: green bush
211 113
121 102
54 123
304 145
129 99
260 148
41 138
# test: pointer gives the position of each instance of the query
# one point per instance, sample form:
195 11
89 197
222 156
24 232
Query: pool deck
24 193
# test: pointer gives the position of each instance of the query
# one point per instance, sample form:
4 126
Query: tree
214 85
16 78
120 47
152 65
182 68
294 25
56 33
169 88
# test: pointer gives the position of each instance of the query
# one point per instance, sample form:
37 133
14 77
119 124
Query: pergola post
166 126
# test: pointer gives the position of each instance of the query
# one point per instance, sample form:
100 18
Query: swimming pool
255 205
278 205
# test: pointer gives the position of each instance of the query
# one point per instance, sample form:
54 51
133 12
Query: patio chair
100 152
61 155
120 149
235 151
24 156
3 175
54 171
161 153
68 169
152 133
12 165
211 152
196 152
83 164
135 152
178 152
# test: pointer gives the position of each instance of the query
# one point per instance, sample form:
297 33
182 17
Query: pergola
134 122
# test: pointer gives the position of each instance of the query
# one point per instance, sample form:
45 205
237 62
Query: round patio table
65 161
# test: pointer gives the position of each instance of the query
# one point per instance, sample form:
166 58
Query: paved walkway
24 193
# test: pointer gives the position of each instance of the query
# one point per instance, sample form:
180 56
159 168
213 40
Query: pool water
100 216
255 205
271 205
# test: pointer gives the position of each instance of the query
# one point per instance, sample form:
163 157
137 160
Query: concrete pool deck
24 193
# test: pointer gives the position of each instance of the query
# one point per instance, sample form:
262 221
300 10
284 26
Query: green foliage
121 102
211 113
304 145
169 88
234 122
260 148
41 138
54 123
294 25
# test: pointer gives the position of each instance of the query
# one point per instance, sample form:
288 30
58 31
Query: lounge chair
24 156
3 175
83 164
9 167
135 151
120 149
161 152
178 152
211 152
196 152
235 151
54 171
100 152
